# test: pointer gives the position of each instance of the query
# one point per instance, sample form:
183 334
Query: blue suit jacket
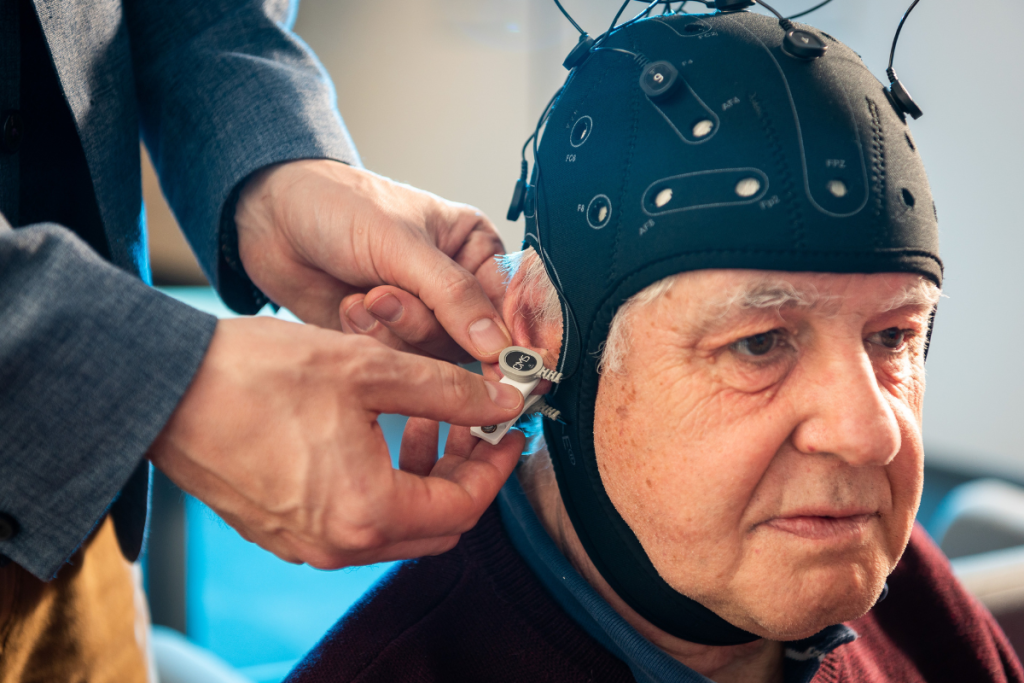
92 360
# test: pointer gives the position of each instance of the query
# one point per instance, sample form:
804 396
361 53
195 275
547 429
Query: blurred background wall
441 94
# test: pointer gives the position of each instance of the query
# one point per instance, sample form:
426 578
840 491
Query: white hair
771 292
536 286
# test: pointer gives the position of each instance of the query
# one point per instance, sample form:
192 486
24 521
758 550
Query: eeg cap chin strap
753 158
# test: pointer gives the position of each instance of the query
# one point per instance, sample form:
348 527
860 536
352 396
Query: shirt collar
587 608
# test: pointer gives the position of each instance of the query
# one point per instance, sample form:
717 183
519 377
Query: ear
521 310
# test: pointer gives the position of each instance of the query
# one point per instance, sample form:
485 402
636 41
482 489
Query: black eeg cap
732 5
773 163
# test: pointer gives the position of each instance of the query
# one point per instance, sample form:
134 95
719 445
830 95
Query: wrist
271 206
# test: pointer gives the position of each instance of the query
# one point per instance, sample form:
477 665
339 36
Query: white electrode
524 370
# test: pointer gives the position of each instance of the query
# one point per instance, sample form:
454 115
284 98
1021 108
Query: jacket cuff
235 287
92 364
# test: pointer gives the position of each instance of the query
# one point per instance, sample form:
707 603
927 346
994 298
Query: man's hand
346 249
278 434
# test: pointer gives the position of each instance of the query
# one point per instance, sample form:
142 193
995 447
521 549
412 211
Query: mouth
823 527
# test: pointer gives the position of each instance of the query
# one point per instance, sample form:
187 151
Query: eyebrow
773 294
924 292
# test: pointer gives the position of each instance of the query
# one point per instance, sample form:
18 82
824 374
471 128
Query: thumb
457 299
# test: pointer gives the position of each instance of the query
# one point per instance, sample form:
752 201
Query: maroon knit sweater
477 613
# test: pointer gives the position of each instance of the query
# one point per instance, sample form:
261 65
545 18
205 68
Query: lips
823 527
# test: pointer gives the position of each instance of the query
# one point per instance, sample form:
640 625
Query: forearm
92 364
224 90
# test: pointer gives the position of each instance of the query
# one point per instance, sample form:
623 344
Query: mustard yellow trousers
89 625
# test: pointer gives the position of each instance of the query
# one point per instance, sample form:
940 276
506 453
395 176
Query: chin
807 602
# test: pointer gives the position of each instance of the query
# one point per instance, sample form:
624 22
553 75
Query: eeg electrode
898 93
523 369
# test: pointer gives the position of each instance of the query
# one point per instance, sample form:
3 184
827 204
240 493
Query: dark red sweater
478 613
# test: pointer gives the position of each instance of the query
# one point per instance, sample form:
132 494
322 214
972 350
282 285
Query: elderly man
732 272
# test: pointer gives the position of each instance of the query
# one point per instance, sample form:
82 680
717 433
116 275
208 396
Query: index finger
394 382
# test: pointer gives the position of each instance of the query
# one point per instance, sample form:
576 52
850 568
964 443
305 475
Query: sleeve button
13 131
8 527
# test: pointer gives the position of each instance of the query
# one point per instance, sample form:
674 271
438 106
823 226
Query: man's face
769 458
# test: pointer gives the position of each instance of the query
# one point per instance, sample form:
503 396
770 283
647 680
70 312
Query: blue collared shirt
587 608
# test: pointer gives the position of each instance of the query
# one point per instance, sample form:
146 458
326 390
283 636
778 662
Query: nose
847 412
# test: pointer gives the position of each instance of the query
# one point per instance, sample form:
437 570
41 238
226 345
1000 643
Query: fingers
457 449
401 383
410 320
478 256
413 330
424 515
356 320
473 241
456 297
418 451
464 482
492 279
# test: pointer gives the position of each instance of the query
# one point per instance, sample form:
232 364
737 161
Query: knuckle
416 325
423 330
459 285
358 538
359 528
367 539
366 361
454 387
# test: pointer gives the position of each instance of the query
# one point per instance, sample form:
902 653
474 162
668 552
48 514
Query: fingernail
387 308
360 319
503 395
488 337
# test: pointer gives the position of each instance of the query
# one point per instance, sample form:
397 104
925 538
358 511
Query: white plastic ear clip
524 370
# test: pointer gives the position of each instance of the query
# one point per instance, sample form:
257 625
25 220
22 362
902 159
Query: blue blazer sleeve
225 88
92 364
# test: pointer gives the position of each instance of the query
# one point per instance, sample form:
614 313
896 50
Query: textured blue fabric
577 597
92 362
224 89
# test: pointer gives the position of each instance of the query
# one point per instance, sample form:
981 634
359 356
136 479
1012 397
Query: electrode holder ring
659 80
733 5
579 53
803 45
524 369
523 365
900 97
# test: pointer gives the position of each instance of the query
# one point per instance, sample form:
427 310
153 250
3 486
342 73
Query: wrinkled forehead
721 292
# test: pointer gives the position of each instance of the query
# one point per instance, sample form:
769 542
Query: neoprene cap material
757 160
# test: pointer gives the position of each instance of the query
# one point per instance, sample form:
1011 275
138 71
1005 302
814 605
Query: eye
892 338
758 344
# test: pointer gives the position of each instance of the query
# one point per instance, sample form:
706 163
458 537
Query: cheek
906 472
680 457
906 476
